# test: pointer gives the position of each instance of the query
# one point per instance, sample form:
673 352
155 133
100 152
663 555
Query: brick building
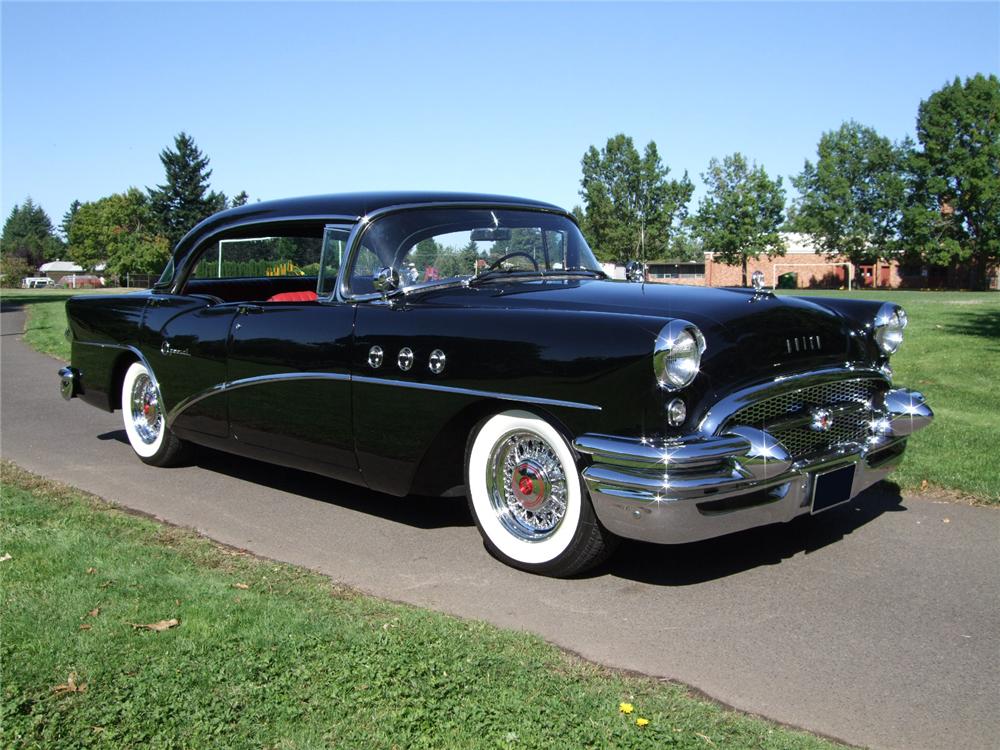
810 266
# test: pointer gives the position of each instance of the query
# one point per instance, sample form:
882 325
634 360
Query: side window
333 257
260 257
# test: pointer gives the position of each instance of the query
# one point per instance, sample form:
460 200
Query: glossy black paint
290 383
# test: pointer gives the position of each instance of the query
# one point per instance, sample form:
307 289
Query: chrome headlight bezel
677 354
888 327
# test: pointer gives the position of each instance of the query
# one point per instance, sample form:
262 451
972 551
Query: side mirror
386 280
635 271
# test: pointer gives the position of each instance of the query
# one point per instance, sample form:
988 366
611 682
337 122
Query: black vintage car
471 344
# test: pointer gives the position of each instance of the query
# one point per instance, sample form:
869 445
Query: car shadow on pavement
666 565
413 510
697 562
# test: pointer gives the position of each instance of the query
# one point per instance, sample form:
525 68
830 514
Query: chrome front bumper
702 487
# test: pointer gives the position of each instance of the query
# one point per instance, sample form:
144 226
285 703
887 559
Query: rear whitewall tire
564 537
145 423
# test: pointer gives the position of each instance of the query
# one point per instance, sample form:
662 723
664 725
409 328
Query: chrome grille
801 441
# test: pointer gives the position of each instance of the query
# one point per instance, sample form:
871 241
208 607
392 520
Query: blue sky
295 99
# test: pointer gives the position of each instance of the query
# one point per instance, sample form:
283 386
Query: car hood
752 332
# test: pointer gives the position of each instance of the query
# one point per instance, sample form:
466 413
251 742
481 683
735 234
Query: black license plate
832 488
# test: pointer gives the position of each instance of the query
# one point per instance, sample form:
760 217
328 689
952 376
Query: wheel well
442 467
118 378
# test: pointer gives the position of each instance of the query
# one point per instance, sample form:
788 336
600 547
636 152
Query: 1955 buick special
451 344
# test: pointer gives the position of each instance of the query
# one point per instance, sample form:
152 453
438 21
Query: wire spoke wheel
527 485
145 407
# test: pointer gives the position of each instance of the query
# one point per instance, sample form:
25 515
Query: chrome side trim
233 385
126 348
474 392
721 410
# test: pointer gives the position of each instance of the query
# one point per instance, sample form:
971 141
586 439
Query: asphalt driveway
877 623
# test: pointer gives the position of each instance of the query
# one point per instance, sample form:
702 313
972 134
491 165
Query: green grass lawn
268 655
951 353
45 328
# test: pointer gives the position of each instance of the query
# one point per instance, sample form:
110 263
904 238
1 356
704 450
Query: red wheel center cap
526 486
145 409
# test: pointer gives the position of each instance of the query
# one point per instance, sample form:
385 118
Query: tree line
129 232
864 198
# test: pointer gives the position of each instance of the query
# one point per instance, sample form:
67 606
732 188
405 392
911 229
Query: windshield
427 246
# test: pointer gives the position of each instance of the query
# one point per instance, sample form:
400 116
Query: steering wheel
508 256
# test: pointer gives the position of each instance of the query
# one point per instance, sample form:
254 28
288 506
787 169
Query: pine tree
185 199
28 234
68 218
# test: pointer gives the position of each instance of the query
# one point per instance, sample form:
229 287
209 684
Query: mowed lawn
122 633
951 353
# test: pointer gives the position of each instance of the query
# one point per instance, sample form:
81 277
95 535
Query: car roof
349 206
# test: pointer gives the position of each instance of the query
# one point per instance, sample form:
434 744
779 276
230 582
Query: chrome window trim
192 257
725 407
343 293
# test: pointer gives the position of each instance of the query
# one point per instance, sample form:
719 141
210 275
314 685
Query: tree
120 230
185 199
68 218
740 216
240 199
630 208
852 199
28 234
955 211
13 268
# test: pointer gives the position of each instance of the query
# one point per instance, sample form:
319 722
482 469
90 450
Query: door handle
249 309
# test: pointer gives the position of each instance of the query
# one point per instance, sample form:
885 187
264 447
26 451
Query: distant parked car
37 282
81 281
471 344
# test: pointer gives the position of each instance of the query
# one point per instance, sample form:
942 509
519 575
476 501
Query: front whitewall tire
562 536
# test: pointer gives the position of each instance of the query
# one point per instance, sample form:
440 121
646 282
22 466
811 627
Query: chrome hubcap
527 486
146 416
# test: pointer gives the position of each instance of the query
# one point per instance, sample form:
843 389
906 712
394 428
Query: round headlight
889 325
677 354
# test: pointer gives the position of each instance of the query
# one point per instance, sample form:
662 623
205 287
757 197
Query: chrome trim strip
724 408
474 392
233 385
127 348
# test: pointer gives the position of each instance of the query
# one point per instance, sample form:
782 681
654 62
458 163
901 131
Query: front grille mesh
799 440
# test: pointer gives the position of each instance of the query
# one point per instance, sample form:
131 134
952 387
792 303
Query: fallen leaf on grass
91 571
707 739
243 586
5 557
84 626
157 626
923 485
70 686
94 612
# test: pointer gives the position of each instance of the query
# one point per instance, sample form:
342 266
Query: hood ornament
759 290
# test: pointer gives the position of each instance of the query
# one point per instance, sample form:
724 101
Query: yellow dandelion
626 708
641 722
